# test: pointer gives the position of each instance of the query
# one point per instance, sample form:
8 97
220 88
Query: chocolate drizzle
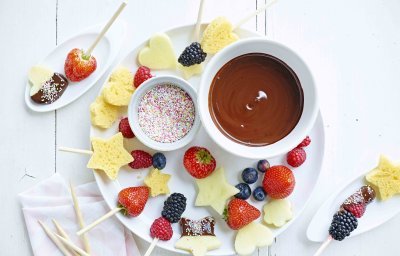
51 90
202 227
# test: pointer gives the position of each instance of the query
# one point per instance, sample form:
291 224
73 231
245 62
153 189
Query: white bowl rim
280 147
135 100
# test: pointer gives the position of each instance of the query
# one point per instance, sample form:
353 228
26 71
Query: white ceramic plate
181 181
105 53
377 212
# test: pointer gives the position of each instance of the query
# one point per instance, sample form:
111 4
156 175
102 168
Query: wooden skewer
248 17
79 216
323 246
64 234
55 240
151 247
71 245
98 221
106 27
75 150
196 34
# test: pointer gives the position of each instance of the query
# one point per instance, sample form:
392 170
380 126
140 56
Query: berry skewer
345 220
194 54
161 228
80 64
131 201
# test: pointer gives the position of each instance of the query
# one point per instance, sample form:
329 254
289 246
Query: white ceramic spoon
105 53
377 212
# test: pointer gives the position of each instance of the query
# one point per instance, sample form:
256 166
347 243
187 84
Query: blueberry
259 194
249 175
263 165
245 191
159 161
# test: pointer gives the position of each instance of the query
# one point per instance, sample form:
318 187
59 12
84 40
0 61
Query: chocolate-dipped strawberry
47 86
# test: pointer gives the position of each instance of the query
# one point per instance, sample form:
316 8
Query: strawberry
141 159
305 142
141 75
240 213
125 128
356 209
279 182
133 199
78 66
296 157
161 229
199 162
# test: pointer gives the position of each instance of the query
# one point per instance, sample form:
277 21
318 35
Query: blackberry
342 225
193 54
174 206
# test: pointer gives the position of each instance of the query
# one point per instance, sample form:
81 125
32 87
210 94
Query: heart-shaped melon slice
252 236
37 76
159 54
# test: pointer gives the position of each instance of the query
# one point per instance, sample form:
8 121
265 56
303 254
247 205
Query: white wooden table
352 47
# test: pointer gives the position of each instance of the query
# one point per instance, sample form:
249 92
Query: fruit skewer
131 200
345 220
161 228
80 64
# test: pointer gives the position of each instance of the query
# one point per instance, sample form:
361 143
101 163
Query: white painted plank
353 50
27 139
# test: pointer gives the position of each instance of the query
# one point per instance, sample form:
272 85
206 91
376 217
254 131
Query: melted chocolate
202 227
256 99
51 90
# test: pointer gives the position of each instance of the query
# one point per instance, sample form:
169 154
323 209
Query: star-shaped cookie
157 182
109 155
214 190
386 178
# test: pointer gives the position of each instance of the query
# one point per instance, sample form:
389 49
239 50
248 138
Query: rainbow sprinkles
166 113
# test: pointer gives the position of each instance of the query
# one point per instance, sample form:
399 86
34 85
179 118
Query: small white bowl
133 113
310 107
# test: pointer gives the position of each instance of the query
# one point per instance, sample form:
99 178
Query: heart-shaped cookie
252 236
277 212
159 54
217 35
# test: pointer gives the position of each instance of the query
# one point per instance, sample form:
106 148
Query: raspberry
356 209
141 75
125 128
296 157
173 208
305 142
141 159
161 229
193 54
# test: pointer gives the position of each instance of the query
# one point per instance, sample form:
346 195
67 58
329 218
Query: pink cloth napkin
51 199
